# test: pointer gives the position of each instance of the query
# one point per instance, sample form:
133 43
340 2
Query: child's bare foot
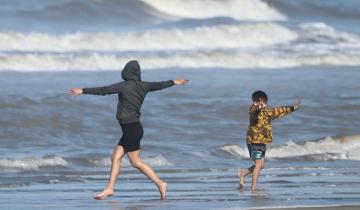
254 189
163 189
104 194
242 179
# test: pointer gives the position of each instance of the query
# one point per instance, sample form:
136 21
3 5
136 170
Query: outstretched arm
153 86
111 89
284 110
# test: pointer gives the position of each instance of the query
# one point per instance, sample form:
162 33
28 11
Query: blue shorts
257 151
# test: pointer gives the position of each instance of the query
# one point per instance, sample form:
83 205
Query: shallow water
58 146
55 149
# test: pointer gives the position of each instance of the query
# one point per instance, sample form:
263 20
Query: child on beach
131 94
259 133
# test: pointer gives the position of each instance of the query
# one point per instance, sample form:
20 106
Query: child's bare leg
259 163
116 157
262 163
136 162
243 173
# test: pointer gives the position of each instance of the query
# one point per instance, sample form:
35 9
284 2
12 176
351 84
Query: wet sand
341 207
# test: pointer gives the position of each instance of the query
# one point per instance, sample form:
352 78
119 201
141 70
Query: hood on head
131 71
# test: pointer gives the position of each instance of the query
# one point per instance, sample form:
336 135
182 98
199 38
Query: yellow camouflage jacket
260 128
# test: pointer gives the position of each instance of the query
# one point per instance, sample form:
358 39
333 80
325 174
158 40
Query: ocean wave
100 15
157 160
32 163
306 36
202 59
124 12
255 45
329 148
321 33
237 9
317 8
221 36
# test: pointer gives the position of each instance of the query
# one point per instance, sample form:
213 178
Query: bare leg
259 164
116 157
262 163
243 173
136 162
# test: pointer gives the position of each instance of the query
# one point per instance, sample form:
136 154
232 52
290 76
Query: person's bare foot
254 189
242 179
163 189
104 194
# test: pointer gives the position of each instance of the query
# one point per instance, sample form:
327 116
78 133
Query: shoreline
330 207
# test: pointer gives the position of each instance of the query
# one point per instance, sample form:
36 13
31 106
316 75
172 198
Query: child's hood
131 71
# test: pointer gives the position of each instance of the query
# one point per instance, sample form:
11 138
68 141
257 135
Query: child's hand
75 91
180 81
297 104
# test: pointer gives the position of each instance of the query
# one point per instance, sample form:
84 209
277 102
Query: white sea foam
32 163
324 39
321 32
337 148
222 36
201 9
157 160
259 45
217 59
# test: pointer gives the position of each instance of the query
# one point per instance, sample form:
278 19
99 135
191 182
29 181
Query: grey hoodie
131 92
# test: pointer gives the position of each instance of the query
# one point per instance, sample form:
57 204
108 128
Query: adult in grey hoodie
131 94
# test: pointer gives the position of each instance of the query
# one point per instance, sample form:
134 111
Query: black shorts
132 134
257 151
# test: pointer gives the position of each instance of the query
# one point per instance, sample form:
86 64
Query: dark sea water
55 148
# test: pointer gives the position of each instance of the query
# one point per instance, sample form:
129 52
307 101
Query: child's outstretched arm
284 110
153 86
111 89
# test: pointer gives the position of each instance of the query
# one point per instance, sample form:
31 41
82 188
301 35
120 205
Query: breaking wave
217 59
222 36
255 45
329 148
32 163
317 8
237 9
157 160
